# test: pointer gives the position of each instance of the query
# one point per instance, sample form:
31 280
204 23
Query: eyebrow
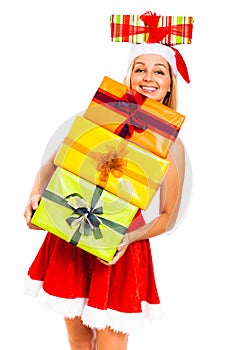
156 64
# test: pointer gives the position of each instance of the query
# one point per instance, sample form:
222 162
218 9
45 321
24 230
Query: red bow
156 34
130 103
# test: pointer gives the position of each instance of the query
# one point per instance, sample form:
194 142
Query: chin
153 97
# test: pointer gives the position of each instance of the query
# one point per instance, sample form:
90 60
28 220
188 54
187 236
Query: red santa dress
73 283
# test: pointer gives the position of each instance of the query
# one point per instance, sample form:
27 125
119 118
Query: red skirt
75 283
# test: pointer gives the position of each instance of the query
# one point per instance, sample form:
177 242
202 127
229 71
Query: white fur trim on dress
32 287
121 321
93 317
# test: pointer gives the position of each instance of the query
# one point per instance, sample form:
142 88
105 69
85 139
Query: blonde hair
171 99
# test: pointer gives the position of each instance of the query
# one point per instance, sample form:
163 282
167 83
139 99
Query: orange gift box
135 117
108 160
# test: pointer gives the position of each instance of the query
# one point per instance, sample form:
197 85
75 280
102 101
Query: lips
148 89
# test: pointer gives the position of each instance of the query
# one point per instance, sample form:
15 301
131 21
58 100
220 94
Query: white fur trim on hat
157 49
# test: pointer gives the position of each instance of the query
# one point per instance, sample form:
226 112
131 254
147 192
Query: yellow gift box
83 214
105 159
135 117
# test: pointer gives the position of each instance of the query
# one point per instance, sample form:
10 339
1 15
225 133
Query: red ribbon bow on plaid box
156 29
150 28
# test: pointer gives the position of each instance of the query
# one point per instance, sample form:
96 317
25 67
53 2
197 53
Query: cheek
134 81
167 85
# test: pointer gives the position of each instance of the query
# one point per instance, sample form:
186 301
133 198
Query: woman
102 302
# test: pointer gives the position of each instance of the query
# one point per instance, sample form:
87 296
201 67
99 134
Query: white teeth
148 88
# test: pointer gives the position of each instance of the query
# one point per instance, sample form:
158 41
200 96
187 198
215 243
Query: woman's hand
42 179
121 249
29 210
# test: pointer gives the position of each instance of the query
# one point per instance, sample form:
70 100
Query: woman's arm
42 179
170 195
170 198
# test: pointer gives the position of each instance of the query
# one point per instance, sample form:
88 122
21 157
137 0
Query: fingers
33 227
35 201
120 252
124 244
114 260
104 262
28 215
31 207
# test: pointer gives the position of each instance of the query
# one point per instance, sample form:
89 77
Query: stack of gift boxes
110 164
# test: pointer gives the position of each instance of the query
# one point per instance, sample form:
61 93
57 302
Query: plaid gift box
168 30
84 214
107 160
131 115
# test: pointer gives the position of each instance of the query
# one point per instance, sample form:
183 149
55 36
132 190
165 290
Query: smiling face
151 76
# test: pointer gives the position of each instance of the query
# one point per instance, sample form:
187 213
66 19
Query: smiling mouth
149 89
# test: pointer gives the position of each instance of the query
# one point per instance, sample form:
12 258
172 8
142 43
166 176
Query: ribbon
110 163
98 157
153 32
156 34
134 122
137 120
88 219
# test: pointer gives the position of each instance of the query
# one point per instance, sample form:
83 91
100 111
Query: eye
139 70
159 72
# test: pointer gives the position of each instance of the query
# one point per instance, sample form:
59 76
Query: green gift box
84 214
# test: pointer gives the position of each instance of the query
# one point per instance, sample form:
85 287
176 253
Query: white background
53 56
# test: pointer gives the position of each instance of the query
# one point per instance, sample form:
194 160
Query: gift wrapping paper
105 159
136 29
83 214
133 116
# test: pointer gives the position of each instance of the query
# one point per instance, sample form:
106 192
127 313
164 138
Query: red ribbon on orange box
137 119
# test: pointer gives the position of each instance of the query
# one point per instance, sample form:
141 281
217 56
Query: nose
148 77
